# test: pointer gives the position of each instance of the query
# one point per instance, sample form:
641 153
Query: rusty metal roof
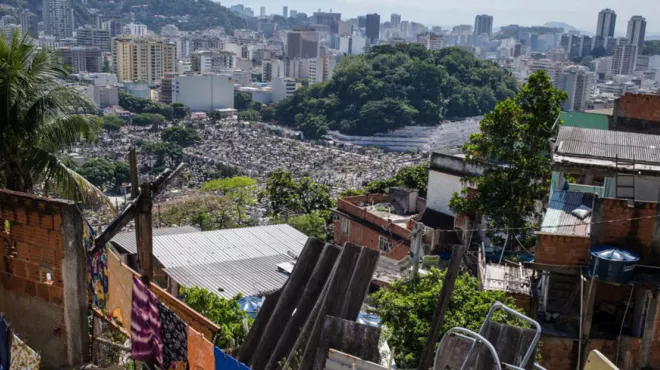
559 219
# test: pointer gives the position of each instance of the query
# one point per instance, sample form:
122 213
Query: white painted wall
441 188
203 93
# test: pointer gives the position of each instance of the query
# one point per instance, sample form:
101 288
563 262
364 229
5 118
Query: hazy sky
579 13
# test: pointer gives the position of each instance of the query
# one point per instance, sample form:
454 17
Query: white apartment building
137 29
271 69
282 88
212 61
103 96
204 92
352 45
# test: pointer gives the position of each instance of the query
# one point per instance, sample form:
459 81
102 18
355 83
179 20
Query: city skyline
582 15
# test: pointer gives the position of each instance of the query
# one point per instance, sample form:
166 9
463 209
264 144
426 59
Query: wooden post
252 339
443 302
309 297
331 303
357 290
144 233
349 337
287 302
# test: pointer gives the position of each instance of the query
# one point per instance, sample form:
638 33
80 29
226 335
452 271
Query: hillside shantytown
196 185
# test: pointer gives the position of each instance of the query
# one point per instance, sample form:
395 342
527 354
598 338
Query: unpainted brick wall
367 237
31 251
556 249
638 106
562 353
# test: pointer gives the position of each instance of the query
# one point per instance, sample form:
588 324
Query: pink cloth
146 342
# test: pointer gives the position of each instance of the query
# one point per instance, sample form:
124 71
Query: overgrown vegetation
241 192
182 136
226 313
204 211
287 196
407 308
141 105
104 174
394 86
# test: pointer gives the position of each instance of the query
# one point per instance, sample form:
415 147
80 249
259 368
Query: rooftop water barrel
615 265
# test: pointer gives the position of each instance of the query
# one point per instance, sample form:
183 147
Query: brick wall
561 353
365 236
637 106
42 268
559 249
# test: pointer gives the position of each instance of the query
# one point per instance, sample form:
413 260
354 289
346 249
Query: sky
582 14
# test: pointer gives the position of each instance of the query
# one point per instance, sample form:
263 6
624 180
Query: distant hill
567 27
185 14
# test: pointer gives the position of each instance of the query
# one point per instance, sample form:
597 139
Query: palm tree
39 117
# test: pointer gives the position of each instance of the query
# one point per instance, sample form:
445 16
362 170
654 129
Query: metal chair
496 346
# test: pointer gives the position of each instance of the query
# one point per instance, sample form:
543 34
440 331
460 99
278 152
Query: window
384 244
345 226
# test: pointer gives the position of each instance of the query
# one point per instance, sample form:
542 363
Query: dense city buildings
395 20
204 92
82 59
330 20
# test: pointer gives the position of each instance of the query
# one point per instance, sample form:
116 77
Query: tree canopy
204 211
412 177
289 196
407 309
112 123
103 173
240 190
651 47
226 313
511 147
148 119
182 136
394 86
250 115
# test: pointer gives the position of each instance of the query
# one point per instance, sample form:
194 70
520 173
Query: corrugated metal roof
127 240
558 218
506 278
227 245
602 144
249 276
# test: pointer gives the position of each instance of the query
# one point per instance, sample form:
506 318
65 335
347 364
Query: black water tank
615 265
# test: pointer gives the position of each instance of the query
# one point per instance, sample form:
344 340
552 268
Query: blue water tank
615 265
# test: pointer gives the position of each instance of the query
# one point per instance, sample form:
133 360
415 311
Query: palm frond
66 130
66 182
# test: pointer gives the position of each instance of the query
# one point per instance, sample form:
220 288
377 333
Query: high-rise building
30 24
578 83
483 24
282 88
606 23
112 25
58 18
395 20
262 11
136 29
272 69
293 13
624 59
204 92
82 59
352 45
372 27
362 21
143 59
212 61
89 36
331 20
637 32
302 44
285 11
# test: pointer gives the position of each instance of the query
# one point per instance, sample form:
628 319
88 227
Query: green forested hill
394 86
185 14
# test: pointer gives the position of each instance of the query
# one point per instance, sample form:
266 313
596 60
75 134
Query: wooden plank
288 301
338 360
443 302
256 330
331 303
135 187
313 290
359 286
145 247
164 179
117 224
348 337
